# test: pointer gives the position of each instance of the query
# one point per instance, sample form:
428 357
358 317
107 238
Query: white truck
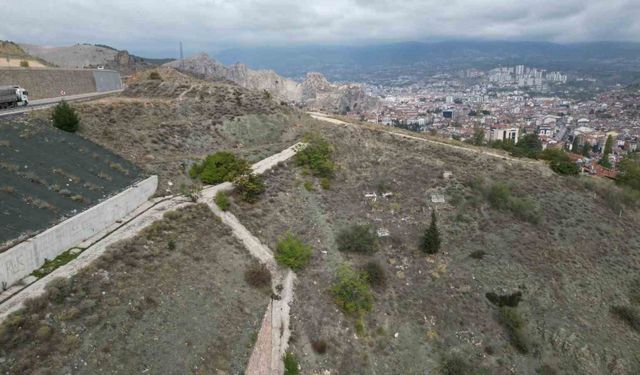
11 96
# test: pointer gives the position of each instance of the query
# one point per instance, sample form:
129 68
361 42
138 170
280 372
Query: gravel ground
577 261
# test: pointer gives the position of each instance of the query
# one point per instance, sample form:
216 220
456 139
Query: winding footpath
476 150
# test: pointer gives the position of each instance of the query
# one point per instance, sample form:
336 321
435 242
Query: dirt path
481 151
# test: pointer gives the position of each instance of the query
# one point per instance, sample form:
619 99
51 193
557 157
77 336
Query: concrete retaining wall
22 259
47 83
107 80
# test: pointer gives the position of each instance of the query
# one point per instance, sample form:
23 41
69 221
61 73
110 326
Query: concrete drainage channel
273 338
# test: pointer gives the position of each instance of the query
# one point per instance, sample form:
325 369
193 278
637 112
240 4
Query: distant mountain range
350 62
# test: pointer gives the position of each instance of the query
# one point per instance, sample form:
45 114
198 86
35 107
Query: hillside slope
165 125
531 267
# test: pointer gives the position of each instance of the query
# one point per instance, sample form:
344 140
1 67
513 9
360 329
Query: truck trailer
11 96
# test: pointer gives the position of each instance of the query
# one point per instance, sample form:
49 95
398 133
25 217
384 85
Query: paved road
50 102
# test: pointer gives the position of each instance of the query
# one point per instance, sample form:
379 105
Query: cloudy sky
154 27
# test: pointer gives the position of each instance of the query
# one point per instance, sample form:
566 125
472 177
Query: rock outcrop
315 92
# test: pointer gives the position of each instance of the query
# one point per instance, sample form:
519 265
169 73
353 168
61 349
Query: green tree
65 118
478 137
575 145
604 161
586 148
528 146
431 240
630 171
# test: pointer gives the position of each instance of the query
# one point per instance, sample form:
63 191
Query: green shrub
510 319
500 197
351 292
65 118
292 252
222 200
219 167
155 75
308 185
258 275
455 365
629 315
431 240
376 276
560 162
24 64
358 238
290 363
249 187
325 182
317 156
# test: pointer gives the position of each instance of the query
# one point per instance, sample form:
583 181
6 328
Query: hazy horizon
154 29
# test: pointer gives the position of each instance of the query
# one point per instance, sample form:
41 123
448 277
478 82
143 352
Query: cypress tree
605 154
431 240
65 118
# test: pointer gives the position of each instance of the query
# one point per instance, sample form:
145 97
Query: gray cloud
154 27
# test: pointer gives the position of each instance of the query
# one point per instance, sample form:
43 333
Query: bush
510 319
376 276
290 363
249 187
222 200
258 275
511 300
358 238
431 240
351 292
317 156
560 162
319 346
629 315
292 252
219 167
455 365
499 196
24 64
155 75
65 118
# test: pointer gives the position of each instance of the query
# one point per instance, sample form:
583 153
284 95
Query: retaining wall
20 260
47 83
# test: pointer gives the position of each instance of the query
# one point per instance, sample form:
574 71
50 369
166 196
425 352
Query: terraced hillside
47 175
537 273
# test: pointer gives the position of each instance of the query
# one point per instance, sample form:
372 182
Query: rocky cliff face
315 92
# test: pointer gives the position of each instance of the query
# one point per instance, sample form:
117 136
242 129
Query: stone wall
48 83
22 259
